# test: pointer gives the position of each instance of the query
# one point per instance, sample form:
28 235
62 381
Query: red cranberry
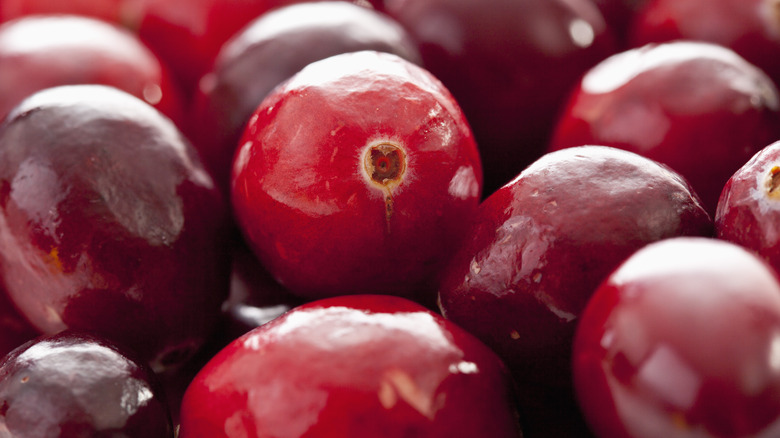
188 35
509 65
109 222
749 27
682 340
258 58
125 12
14 329
356 366
697 107
749 209
619 15
541 245
43 51
358 174
78 385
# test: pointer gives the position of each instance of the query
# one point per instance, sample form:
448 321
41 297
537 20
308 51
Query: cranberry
697 107
509 65
749 209
78 385
14 329
125 12
619 14
683 339
188 35
43 51
359 174
749 27
540 246
356 366
258 58
109 222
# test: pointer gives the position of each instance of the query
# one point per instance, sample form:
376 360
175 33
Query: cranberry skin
697 107
373 194
75 384
619 14
540 246
749 207
109 223
510 66
43 51
680 341
126 12
258 58
188 35
14 329
749 27
364 365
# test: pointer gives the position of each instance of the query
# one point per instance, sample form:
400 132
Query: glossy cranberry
355 366
540 246
749 208
14 329
76 385
43 51
188 35
509 65
697 107
749 27
109 222
358 175
259 57
125 12
682 340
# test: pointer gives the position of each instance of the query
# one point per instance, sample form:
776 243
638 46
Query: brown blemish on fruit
384 164
773 182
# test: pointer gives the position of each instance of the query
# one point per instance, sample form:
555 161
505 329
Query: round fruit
354 366
109 222
697 107
749 27
682 340
258 58
43 51
510 65
78 385
540 246
749 209
358 174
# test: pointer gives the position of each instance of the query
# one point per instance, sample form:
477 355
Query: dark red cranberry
749 209
109 223
682 340
259 57
354 366
749 27
78 385
510 65
14 329
697 107
358 174
538 249
43 51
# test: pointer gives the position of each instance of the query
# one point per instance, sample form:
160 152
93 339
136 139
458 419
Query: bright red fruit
43 51
358 175
540 246
697 107
357 366
682 340
749 27
77 385
109 223
510 65
125 12
258 58
749 209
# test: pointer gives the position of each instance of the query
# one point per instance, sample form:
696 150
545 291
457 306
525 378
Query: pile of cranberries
390 218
